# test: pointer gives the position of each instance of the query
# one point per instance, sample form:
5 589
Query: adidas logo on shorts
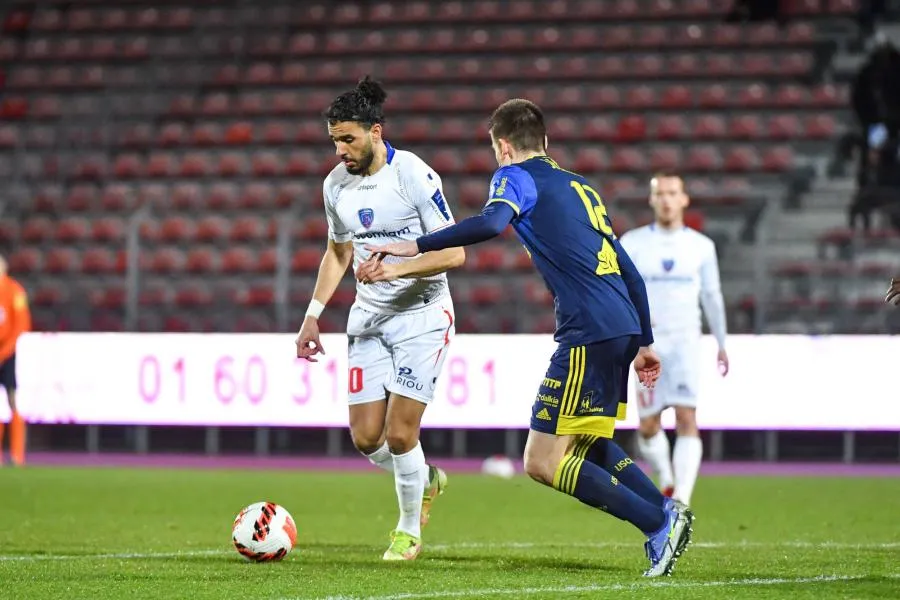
544 415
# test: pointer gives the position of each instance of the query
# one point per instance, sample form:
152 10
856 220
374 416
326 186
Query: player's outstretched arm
482 227
337 258
713 304
375 269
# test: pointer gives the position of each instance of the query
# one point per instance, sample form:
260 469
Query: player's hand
647 366
367 267
308 344
375 270
408 249
893 293
722 361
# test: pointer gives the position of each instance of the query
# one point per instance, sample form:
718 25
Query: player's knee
365 441
686 421
649 427
539 468
401 439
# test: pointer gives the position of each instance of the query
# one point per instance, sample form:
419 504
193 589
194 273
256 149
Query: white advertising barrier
489 381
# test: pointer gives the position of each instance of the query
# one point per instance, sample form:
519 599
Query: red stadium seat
127 166
703 159
785 127
247 229
238 260
710 127
598 128
60 260
266 164
98 260
779 158
491 258
232 164
193 296
201 260
72 230
590 160
665 158
107 230
212 228
627 159
746 127
48 199
714 96
36 230
25 261
172 134
741 158
186 196
821 126
670 127
306 260
160 165
267 261
176 229
631 129
256 196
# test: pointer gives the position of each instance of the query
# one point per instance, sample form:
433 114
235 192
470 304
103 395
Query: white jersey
681 272
402 201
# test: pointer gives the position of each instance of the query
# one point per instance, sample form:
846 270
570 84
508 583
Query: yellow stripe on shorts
574 380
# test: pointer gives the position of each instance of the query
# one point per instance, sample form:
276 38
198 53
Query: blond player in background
681 271
15 319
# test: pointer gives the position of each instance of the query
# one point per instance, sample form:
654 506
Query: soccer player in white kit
402 321
679 267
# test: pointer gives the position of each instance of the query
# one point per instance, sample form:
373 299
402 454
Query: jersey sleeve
423 185
711 294
337 231
514 186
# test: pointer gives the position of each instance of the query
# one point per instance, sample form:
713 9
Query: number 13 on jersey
608 261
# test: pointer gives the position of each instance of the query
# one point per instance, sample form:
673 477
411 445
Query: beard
364 162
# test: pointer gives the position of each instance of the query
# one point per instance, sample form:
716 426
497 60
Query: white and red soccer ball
264 532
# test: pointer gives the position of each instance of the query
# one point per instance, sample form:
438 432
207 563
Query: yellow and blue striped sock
609 456
596 487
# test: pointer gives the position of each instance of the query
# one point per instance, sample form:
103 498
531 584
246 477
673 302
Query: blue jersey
562 222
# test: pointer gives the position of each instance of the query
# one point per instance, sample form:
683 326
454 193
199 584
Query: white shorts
678 384
401 354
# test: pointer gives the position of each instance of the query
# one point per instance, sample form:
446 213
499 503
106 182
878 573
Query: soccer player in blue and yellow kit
603 326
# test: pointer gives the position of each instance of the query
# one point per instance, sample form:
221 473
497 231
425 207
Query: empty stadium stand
197 125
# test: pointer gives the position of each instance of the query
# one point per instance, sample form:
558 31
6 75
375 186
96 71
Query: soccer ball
498 466
264 532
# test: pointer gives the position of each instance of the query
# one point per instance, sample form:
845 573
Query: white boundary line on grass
458 546
111 555
733 545
612 587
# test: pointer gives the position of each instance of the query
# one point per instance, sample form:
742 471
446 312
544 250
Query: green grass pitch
110 533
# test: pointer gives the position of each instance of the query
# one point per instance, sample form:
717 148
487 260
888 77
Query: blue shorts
8 373
585 390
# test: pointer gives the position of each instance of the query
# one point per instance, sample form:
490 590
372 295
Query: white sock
382 458
686 458
655 451
410 472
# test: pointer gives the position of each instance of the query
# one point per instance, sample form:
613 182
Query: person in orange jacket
15 319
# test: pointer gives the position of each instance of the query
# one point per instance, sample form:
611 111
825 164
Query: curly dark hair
364 104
